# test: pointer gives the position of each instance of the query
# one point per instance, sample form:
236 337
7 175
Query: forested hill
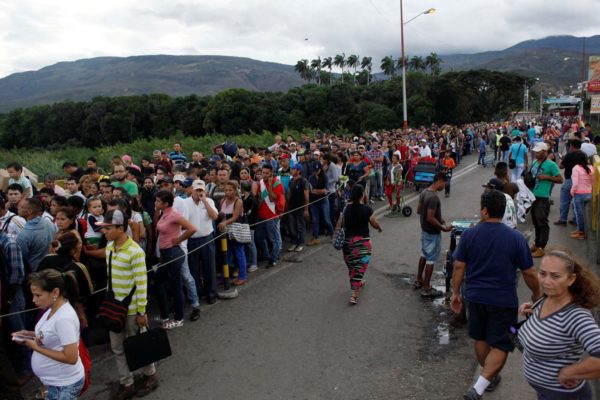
115 76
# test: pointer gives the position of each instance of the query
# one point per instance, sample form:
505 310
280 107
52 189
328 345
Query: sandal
418 284
354 298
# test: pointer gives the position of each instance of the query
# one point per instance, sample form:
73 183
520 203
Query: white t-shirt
55 333
15 226
198 216
424 151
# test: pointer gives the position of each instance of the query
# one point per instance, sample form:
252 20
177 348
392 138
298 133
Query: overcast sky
37 33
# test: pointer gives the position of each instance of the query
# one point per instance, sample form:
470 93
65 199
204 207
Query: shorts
490 324
431 246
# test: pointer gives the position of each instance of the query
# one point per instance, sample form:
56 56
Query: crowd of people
153 229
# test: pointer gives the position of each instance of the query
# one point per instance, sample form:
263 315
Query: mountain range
556 60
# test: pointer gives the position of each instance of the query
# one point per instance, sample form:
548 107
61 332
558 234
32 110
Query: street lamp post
402 23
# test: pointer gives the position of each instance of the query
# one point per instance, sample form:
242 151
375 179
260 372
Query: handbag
512 163
113 312
146 347
239 231
340 234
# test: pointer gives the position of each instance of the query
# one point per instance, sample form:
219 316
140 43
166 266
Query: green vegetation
454 97
41 161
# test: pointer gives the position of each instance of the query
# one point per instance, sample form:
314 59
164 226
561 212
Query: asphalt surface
291 333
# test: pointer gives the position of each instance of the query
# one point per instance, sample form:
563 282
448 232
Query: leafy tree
303 69
340 62
367 65
434 62
352 62
316 66
328 63
417 64
388 66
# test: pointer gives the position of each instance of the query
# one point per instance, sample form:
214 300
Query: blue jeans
579 202
481 159
20 356
170 274
237 250
565 199
250 249
517 173
268 231
68 392
504 157
202 265
320 207
190 283
431 246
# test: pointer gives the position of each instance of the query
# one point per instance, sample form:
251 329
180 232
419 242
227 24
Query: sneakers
292 247
147 386
494 383
124 392
299 248
252 268
560 223
172 324
195 316
472 395
314 242
430 293
539 252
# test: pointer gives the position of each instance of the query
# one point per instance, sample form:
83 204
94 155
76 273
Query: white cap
198 184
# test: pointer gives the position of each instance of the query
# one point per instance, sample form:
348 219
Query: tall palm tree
340 61
328 63
316 66
303 70
352 62
367 64
418 64
434 62
388 66
399 63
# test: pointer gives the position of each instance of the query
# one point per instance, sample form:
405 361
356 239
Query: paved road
292 335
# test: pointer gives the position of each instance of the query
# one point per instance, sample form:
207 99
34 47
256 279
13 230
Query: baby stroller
458 228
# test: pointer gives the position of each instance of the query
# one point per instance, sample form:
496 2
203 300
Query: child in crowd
93 235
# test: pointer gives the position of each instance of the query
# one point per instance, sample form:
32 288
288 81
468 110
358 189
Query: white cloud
36 33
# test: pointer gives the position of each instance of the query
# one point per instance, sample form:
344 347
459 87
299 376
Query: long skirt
357 254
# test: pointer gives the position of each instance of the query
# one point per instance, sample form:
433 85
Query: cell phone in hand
22 338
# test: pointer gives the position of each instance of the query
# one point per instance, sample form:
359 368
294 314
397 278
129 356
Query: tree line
453 97
321 70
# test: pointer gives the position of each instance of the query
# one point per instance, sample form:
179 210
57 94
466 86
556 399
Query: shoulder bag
513 330
528 177
113 312
340 233
512 163
239 231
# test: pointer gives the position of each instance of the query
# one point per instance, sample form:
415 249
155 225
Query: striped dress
556 341
128 269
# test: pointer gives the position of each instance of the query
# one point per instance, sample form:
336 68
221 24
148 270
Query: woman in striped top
561 328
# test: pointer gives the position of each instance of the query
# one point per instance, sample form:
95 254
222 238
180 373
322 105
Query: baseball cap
166 179
113 217
187 182
317 152
540 146
179 178
215 157
298 166
198 184
495 184
284 155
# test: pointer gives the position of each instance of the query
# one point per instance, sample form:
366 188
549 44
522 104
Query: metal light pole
402 23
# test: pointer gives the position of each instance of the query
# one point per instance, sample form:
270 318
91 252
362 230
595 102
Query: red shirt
264 211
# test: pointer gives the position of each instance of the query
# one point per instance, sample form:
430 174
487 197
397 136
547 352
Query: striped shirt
128 269
556 341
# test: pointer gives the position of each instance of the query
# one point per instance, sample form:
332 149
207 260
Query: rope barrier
156 267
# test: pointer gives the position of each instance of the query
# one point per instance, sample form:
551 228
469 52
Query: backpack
529 179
